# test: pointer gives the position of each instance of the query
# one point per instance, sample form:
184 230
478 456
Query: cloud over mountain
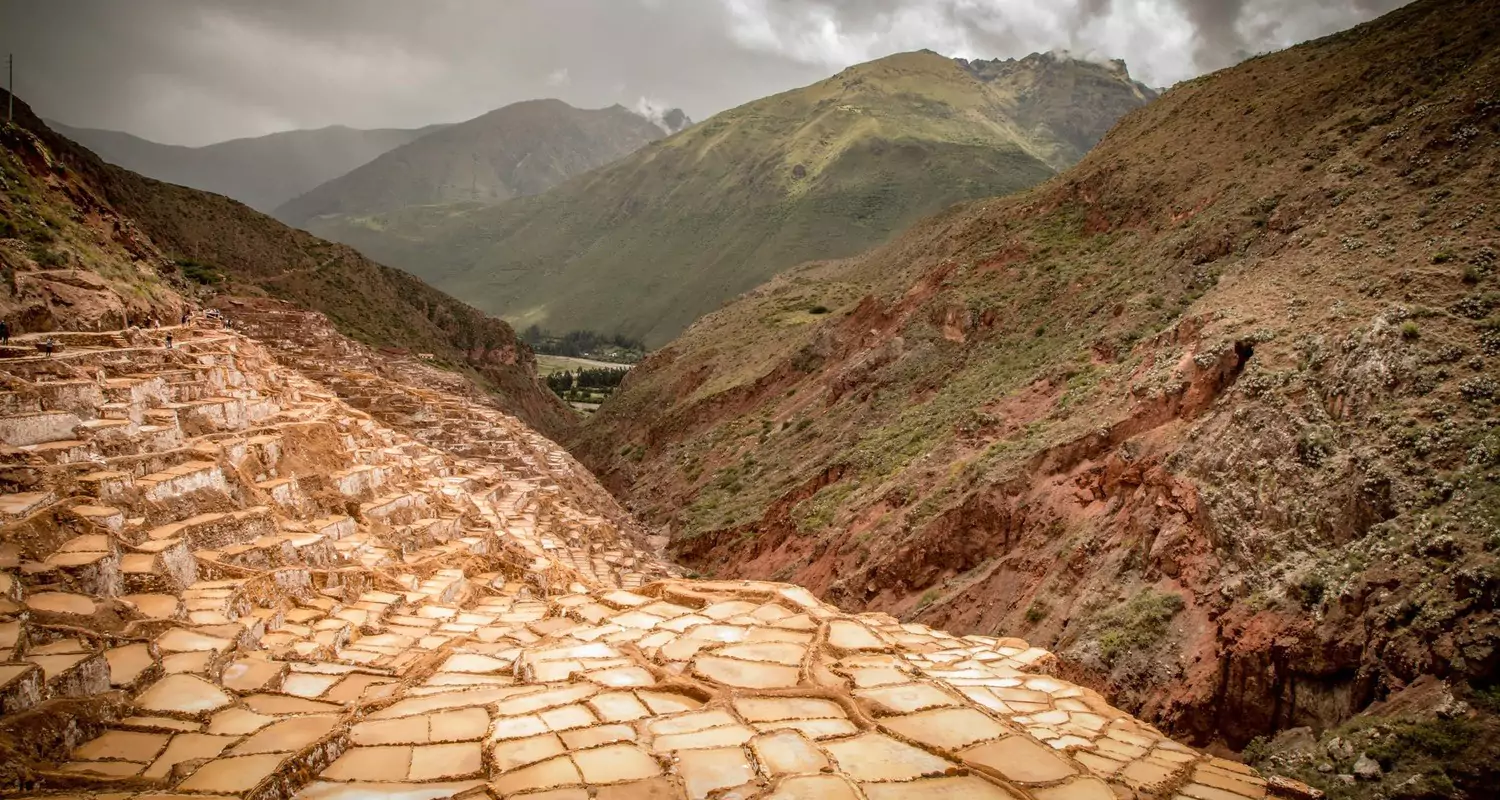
218 69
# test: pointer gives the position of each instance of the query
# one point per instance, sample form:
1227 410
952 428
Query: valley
244 555
944 428
645 245
548 365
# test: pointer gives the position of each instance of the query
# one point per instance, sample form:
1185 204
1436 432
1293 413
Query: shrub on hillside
200 273
1136 625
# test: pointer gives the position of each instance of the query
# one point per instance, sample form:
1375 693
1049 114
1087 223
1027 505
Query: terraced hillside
68 220
1212 414
220 578
648 244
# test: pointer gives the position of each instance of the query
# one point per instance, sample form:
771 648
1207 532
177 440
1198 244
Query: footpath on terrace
279 565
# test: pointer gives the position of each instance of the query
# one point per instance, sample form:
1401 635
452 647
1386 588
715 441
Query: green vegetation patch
614 348
1419 757
1137 625
200 273
818 512
1430 738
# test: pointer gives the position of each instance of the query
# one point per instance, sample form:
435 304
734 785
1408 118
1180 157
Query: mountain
262 172
1212 415
521 149
86 245
673 120
649 243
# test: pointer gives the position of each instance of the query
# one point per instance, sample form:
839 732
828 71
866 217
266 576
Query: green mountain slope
1212 415
521 149
83 244
651 242
262 172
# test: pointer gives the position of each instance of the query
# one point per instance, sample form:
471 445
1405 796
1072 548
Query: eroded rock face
229 580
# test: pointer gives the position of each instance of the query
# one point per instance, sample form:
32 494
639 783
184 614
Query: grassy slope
63 264
377 305
648 244
521 149
1243 353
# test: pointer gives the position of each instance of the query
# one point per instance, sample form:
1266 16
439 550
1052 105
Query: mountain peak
520 149
910 60
670 120
675 120
1046 60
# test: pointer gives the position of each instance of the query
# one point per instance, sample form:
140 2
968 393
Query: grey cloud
1164 41
1215 23
195 71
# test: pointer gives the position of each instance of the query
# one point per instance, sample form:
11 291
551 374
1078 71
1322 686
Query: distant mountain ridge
649 243
262 172
521 149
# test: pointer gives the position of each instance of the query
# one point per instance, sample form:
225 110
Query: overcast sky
200 71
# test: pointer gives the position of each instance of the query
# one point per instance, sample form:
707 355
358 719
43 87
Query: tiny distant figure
4 332
49 346
169 340
185 316
155 323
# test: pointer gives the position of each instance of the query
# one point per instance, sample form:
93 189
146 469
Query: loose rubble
219 578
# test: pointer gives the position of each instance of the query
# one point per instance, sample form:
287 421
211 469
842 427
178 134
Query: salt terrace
265 568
